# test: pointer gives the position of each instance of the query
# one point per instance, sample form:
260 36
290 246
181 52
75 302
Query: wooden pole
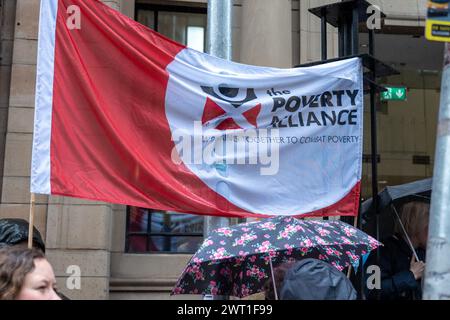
31 222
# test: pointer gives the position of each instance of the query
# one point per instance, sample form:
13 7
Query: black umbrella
390 201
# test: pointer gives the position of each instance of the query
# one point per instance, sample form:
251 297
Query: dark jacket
312 279
397 281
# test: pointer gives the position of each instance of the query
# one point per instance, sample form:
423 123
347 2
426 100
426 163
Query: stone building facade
277 33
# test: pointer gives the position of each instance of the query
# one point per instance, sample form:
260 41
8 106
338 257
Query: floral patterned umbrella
236 261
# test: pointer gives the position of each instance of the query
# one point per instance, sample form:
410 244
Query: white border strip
40 162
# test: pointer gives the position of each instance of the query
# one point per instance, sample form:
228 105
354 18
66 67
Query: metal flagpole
437 269
218 44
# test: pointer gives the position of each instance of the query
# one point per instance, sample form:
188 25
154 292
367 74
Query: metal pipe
346 38
371 43
355 30
373 131
437 270
219 44
219 35
323 32
374 147
341 40
323 36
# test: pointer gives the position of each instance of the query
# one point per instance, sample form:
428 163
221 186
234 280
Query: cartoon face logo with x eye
228 108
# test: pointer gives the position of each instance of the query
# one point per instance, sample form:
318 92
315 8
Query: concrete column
127 8
115 4
79 234
266 31
310 45
7 20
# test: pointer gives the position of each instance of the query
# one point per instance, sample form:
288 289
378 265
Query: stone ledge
133 285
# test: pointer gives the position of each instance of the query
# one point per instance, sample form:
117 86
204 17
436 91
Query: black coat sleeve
393 282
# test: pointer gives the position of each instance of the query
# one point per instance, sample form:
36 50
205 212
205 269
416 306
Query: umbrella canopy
235 261
397 195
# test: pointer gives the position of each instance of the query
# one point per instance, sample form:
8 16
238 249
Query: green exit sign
394 93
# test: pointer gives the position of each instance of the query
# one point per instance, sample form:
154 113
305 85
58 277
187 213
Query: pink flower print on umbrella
197 260
346 240
213 288
195 268
178 290
287 232
337 266
244 239
349 232
264 247
352 257
304 250
307 243
206 243
329 251
289 249
220 253
321 241
199 276
268 226
226 232
373 244
243 254
245 290
323 232
261 275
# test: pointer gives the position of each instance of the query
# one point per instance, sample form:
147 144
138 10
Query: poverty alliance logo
233 109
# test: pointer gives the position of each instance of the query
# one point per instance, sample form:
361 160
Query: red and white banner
125 115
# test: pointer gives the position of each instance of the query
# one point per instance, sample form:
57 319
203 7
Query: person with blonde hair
402 258
25 274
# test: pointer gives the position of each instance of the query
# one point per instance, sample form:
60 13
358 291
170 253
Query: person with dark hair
279 273
25 274
14 232
401 273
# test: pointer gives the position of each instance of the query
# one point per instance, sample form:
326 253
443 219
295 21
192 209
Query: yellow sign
438 21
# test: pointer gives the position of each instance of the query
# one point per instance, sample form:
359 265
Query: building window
162 231
186 25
